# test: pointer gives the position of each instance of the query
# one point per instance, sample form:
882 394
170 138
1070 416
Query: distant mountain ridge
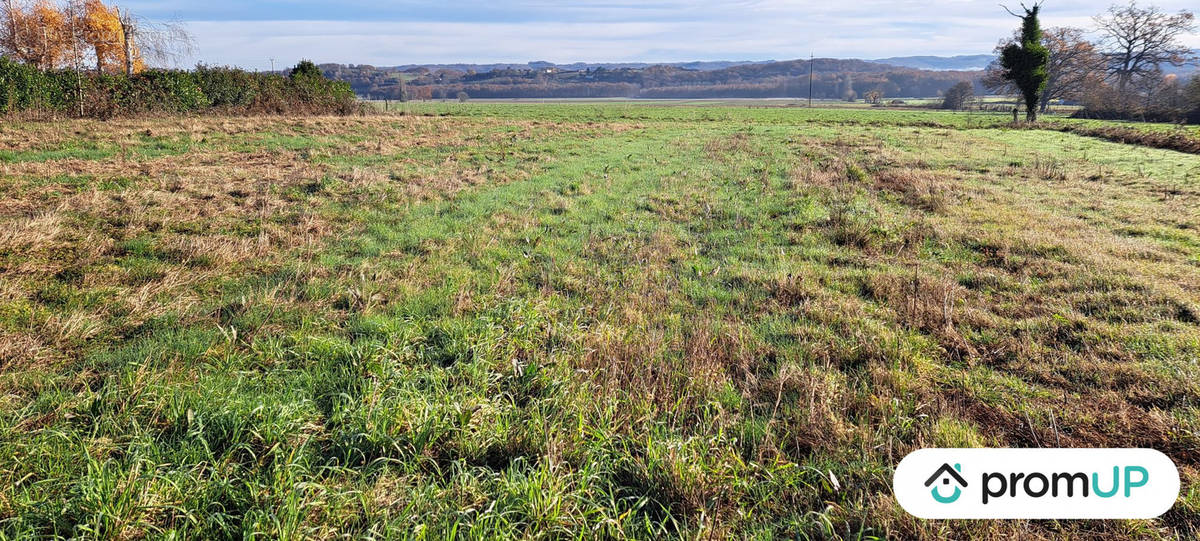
698 65
969 62
977 62
832 78
1185 70
973 62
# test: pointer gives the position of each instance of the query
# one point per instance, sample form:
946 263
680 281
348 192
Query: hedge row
1181 140
1142 115
24 89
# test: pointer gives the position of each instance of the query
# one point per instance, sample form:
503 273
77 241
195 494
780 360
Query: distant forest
833 79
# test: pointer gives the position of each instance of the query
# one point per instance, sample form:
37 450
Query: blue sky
250 33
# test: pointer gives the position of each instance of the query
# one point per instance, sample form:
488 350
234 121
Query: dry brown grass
930 191
210 207
1040 294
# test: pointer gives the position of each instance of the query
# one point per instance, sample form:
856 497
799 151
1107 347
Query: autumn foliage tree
105 36
49 36
38 34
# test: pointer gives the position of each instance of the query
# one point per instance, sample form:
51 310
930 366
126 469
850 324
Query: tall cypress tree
1025 64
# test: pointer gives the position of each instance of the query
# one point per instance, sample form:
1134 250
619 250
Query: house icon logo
946 474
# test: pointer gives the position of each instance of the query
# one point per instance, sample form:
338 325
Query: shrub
166 91
24 87
226 87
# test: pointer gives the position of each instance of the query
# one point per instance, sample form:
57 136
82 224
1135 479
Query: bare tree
159 42
1074 65
958 96
1137 41
1192 95
129 34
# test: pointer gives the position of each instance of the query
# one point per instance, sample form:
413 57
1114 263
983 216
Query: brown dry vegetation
214 201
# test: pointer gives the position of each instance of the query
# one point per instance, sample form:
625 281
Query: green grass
83 151
612 321
761 114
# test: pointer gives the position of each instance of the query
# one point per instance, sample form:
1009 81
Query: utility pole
272 65
811 66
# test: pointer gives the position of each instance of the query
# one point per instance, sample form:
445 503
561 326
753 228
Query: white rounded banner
1036 483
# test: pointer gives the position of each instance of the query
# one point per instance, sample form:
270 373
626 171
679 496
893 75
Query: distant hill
832 79
1190 69
972 62
581 66
977 62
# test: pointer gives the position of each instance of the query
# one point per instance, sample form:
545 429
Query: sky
251 33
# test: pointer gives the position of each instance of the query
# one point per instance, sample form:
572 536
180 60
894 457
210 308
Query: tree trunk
76 58
12 30
1032 100
128 58
127 31
12 27
44 60
1122 86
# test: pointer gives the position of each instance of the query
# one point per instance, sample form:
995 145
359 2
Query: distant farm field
578 321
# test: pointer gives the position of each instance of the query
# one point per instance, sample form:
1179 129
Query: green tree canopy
306 68
1026 63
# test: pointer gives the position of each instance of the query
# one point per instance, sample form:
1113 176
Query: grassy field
602 321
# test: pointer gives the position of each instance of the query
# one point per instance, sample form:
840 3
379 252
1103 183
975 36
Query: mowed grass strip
524 323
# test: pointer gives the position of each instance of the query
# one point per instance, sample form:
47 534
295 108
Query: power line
811 66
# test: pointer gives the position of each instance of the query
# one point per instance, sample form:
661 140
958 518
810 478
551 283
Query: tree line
1121 74
832 79
90 59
